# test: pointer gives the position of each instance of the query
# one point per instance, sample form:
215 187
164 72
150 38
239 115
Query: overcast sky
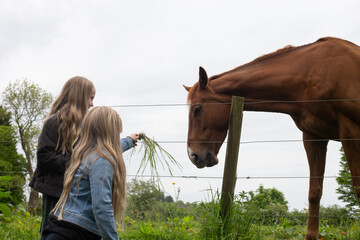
142 52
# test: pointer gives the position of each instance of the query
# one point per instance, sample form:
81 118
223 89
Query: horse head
209 114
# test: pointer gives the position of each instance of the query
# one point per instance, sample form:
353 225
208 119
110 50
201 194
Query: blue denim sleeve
101 179
126 144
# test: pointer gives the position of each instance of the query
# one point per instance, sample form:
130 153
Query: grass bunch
236 224
154 156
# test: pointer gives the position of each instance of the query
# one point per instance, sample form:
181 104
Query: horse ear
203 78
187 88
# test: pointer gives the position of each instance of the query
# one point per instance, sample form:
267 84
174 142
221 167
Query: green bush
297 218
5 206
270 214
336 215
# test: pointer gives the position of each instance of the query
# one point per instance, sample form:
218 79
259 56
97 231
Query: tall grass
155 156
236 224
205 224
20 225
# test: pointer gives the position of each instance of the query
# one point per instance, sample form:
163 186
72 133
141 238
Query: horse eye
197 111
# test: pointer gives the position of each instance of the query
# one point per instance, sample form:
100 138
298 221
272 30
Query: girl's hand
134 137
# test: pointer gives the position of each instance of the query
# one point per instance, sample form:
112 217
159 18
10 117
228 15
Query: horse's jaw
203 158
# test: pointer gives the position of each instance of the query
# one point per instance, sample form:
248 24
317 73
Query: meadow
178 220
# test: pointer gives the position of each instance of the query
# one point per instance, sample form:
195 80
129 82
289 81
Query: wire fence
226 103
241 142
246 103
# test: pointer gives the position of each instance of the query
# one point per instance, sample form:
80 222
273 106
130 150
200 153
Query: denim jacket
89 203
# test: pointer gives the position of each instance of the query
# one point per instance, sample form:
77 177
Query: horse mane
277 53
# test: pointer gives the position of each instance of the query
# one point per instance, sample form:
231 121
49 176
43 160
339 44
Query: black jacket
51 164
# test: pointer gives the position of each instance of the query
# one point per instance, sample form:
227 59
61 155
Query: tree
346 189
263 197
28 104
4 198
142 196
168 199
11 163
270 204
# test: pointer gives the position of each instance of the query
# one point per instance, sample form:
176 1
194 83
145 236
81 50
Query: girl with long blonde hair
92 202
58 137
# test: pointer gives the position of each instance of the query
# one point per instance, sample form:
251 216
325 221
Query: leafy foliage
4 199
177 228
20 225
11 163
146 201
263 197
28 104
345 188
270 204
142 197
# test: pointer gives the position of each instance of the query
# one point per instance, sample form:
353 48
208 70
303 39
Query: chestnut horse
317 84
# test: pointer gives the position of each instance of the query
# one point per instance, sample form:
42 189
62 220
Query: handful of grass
154 156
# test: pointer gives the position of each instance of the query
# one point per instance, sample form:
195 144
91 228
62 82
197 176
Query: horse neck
270 81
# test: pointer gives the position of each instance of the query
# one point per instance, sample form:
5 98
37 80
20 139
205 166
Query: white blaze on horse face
190 153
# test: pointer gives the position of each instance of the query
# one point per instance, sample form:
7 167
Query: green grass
21 225
203 223
154 156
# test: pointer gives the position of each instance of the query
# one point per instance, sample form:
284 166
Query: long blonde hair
100 134
72 104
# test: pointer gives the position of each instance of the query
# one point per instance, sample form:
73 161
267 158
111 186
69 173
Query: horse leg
316 154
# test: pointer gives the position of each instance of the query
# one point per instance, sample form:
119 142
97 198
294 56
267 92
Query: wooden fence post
232 153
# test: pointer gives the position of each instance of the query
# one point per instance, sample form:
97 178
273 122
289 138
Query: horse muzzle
202 159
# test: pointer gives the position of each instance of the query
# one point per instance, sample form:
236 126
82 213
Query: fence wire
227 103
241 142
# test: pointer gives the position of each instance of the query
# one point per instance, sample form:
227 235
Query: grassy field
203 224
152 215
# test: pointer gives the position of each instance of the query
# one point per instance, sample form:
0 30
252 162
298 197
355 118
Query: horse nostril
211 160
195 157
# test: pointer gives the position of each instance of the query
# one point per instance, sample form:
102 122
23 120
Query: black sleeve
47 155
